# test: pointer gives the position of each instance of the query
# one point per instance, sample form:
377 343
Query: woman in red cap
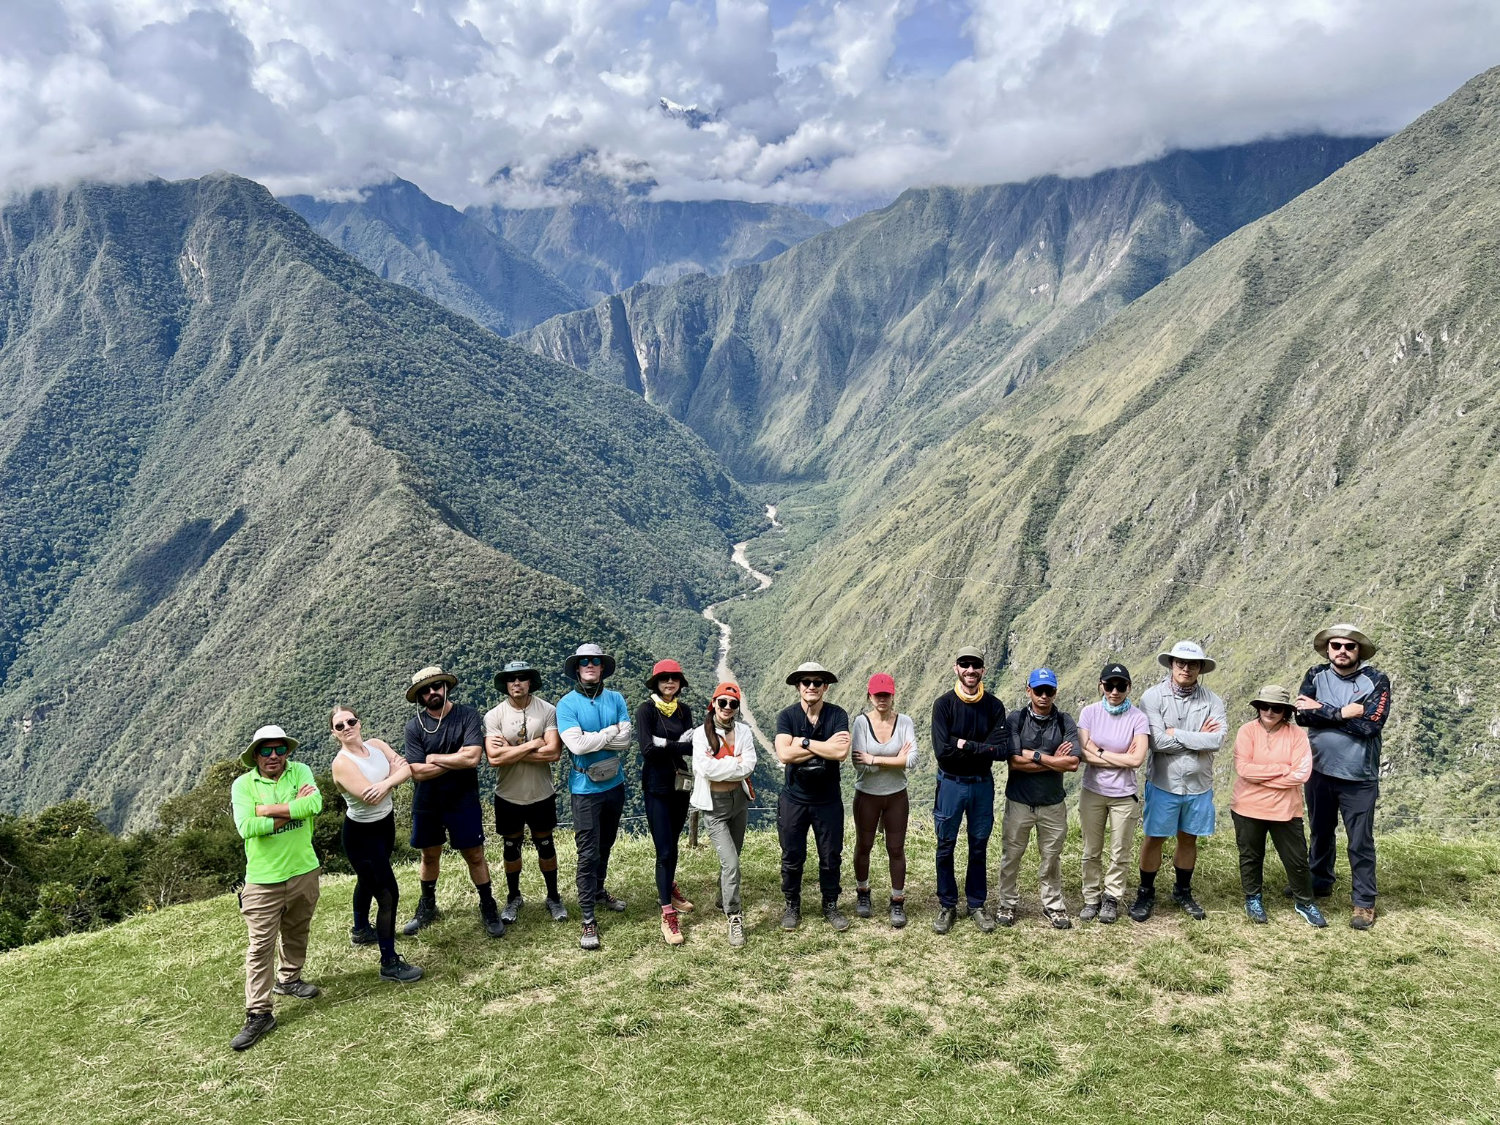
883 746
665 724
723 760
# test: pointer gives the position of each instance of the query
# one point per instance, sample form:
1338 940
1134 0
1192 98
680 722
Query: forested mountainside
241 477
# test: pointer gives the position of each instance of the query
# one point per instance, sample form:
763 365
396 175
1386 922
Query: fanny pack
606 769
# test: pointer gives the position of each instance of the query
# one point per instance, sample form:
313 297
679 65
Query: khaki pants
1115 817
273 910
1051 824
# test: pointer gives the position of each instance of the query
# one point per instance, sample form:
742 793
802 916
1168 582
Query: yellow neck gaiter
958 688
667 709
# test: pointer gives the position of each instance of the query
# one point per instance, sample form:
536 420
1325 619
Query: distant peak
694 117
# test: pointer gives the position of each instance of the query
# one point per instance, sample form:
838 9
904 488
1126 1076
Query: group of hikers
1320 747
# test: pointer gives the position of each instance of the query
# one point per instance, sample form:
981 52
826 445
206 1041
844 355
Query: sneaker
512 912
1089 912
791 917
983 919
898 913
671 929
835 916
256 1025
427 913
398 969
1005 916
946 916
1144 904
680 901
1059 919
736 931
298 988
589 939
490 916
1255 909
1311 914
363 935
609 902
862 905
1109 911
1362 918
556 908
1189 905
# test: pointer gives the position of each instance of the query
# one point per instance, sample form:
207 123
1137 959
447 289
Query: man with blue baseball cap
1043 746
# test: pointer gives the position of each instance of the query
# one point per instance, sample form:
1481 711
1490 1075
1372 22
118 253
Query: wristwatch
1036 756
807 744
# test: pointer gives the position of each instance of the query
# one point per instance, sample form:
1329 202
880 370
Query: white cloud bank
809 103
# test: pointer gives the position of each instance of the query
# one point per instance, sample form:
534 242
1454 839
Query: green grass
1173 1021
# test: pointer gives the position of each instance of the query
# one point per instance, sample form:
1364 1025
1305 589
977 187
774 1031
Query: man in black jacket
968 736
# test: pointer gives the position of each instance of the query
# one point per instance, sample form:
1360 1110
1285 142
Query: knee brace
546 851
512 850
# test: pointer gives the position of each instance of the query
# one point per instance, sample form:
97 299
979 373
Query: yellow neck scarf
958 689
667 709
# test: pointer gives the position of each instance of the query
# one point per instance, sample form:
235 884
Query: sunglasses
727 704
350 725
1117 685
813 683
585 661
1044 691
523 678
1343 646
273 751
433 689
971 663
669 679
1274 708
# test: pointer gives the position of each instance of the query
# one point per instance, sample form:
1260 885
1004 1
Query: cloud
802 102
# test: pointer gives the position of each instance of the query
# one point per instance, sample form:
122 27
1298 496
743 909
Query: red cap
665 668
726 688
881 684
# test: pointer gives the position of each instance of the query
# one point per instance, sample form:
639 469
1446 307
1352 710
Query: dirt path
763 581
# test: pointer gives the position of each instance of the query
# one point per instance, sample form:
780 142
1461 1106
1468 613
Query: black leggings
869 811
666 813
369 847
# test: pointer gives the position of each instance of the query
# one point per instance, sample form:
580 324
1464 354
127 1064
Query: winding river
763 582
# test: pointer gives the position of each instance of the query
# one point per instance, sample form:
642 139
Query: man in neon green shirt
274 805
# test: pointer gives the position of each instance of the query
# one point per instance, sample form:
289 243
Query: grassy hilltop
1173 1021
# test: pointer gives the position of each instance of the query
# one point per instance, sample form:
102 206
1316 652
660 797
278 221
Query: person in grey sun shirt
883 746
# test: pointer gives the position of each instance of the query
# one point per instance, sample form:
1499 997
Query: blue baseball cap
1042 677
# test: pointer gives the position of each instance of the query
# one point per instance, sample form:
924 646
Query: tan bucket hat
432 674
1274 694
606 661
270 733
1187 650
811 668
1343 629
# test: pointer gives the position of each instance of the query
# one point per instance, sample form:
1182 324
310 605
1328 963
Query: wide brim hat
1367 647
811 668
271 733
1274 694
505 674
665 668
432 674
1187 650
570 666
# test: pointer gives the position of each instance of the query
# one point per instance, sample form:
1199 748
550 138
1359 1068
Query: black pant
1291 845
793 819
666 813
596 822
1327 797
368 847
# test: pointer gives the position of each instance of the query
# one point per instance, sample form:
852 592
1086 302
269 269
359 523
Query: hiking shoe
363 935
736 931
946 916
256 1025
791 917
671 929
898 913
983 919
1144 904
609 902
1005 916
1059 919
298 988
556 908
835 916
1362 918
489 914
680 901
427 913
1089 912
1311 914
512 911
1255 909
862 905
589 939
1109 911
398 969
1189 905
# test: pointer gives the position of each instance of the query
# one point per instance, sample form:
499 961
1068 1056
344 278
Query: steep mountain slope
896 328
1297 428
242 478
407 237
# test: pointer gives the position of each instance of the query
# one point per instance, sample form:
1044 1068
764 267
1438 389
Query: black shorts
512 819
458 822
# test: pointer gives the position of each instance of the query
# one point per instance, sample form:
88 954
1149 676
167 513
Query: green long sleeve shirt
273 856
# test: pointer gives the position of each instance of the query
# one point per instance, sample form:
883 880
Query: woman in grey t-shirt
883 745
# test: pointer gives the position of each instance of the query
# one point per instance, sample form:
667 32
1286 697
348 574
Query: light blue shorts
1167 814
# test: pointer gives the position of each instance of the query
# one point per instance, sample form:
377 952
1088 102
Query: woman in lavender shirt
1114 735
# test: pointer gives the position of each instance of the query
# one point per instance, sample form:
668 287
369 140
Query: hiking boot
589 939
680 901
427 913
556 908
363 935
736 931
1310 914
298 988
898 913
1362 918
791 917
512 912
671 929
1144 904
1059 919
256 1025
983 919
1005 916
489 914
835 916
1189 905
1255 909
1109 911
609 902
946 916
1089 912
397 969
862 905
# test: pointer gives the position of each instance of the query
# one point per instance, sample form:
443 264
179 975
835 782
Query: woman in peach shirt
1272 758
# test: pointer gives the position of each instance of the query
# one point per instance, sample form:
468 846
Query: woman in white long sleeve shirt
723 760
